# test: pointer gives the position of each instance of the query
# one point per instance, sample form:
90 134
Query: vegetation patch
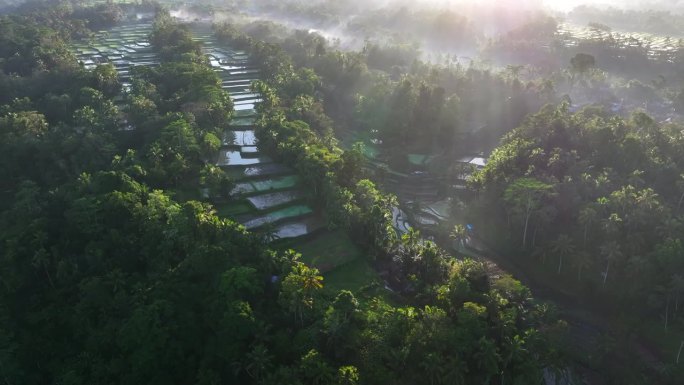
352 276
329 250
233 209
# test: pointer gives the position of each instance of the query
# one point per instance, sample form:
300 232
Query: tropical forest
341 192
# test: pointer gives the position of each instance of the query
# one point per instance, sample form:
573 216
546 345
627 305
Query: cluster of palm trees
299 289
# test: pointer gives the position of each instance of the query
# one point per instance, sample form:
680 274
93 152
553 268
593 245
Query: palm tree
611 251
298 289
541 252
582 260
316 369
545 215
347 375
310 279
258 362
514 70
487 359
321 373
514 349
269 233
635 243
669 227
410 239
612 225
636 178
563 246
396 358
680 185
677 285
647 205
459 234
454 371
432 365
524 195
586 217
665 291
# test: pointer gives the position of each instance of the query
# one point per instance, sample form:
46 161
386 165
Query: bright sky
520 4
567 5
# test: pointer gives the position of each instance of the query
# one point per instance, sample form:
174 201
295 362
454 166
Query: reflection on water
239 138
234 158
288 212
298 229
266 201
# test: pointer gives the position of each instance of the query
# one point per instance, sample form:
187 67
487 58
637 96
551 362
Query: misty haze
330 192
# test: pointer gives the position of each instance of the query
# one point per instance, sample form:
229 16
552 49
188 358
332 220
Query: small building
469 163
478 161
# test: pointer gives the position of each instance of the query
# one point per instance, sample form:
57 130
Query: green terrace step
260 170
244 71
276 199
231 89
248 152
237 82
298 228
245 94
243 122
289 212
246 101
245 112
265 185
244 77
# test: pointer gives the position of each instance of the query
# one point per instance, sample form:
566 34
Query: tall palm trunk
667 310
528 212
49 277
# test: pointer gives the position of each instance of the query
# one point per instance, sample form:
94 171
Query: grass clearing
343 265
352 276
329 250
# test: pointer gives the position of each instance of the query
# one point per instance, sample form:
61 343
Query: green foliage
172 40
523 196
116 282
121 237
582 62
27 47
613 201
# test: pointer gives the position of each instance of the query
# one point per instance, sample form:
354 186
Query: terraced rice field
266 193
124 46
656 46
